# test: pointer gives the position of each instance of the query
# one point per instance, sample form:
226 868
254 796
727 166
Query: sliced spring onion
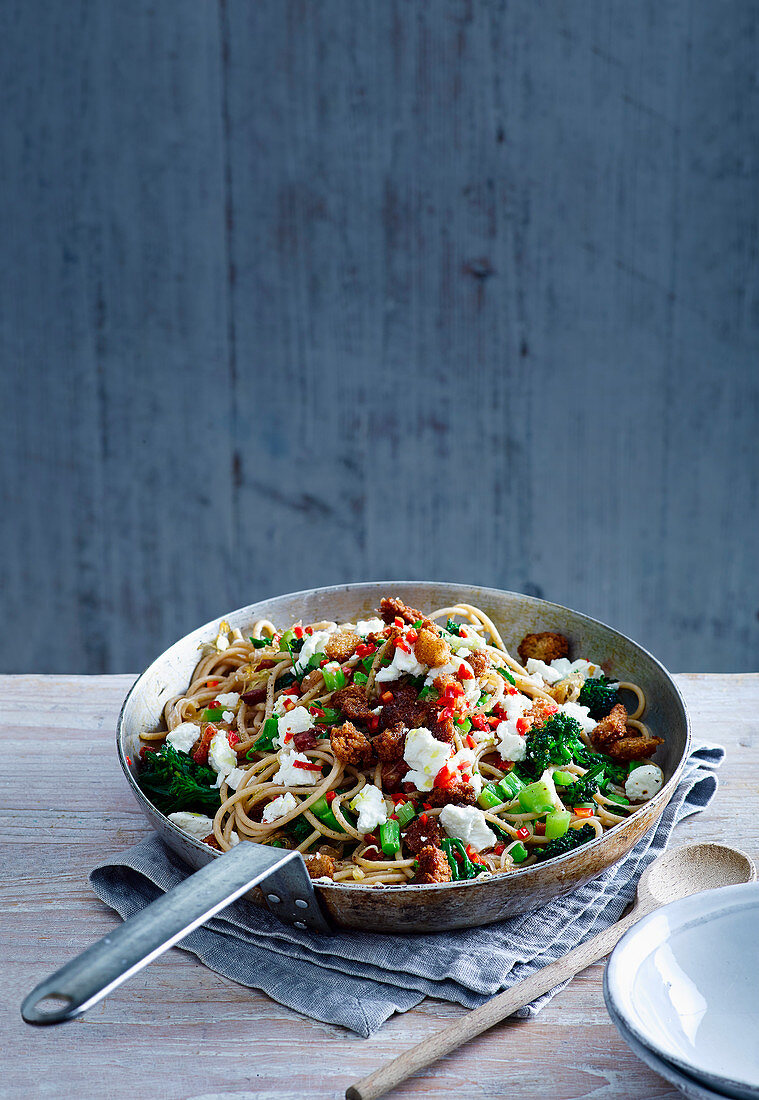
405 813
390 837
557 824
518 853
334 679
536 798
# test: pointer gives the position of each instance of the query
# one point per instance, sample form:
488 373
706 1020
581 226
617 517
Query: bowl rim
665 1069
662 797
696 909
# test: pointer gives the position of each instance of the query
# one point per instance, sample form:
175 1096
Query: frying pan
277 878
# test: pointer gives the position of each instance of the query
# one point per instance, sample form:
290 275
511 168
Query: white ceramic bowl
688 1086
684 983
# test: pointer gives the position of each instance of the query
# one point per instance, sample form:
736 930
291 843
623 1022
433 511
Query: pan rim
659 800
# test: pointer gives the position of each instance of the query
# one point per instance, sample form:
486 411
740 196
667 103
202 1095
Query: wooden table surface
178 1030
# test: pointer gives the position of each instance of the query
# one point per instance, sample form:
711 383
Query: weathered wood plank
298 293
177 1030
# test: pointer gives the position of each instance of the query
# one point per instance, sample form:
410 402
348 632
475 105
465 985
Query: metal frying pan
277 878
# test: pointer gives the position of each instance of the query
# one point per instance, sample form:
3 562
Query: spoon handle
495 1010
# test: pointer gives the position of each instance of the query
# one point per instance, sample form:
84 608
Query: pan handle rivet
273 898
301 903
299 924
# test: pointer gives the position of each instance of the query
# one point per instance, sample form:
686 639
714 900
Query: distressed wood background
302 292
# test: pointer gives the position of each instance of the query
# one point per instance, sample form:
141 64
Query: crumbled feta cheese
279 807
644 782
471 686
227 716
221 757
297 720
370 806
233 839
369 626
402 664
425 755
468 824
290 776
466 757
546 672
235 778
312 643
511 745
197 825
515 705
467 639
581 714
184 736
228 699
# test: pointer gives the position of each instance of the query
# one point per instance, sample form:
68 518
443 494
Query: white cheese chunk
468 638
369 804
467 772
312 643
370 626
581 714
644 782
184 736
469 825
511 745
221 757
402 664
197 825
290 776
227 716
546 672
425 755
515 705
278 807
235 778
297 720
228 699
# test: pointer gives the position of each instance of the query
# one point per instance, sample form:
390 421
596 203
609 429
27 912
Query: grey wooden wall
301 292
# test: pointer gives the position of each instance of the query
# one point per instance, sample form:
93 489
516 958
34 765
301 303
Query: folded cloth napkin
359 979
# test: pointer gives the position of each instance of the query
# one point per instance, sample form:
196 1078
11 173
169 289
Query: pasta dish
408 748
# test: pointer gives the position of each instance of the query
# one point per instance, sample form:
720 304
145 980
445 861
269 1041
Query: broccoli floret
299 828
173 781
599 696
547 744
573 838
583 789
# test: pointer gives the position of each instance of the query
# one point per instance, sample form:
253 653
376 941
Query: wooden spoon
676 874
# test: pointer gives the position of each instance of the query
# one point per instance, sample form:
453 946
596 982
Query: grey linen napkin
359 979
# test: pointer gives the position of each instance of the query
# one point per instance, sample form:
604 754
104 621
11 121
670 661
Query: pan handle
91 976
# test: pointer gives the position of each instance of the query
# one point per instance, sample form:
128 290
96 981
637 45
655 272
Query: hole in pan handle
92 975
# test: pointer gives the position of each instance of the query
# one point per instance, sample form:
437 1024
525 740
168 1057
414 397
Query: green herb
461 865
428 693
329 717
334 679
464 725
211 714
417 624
507 676
583 789
453 628
269 731
573 838
260 643
173 782
360 678
599 696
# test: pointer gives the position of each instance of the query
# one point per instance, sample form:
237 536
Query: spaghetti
401 749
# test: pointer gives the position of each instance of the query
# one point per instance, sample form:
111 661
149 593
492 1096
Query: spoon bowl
691 869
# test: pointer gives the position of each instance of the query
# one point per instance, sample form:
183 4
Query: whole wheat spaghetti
408 748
